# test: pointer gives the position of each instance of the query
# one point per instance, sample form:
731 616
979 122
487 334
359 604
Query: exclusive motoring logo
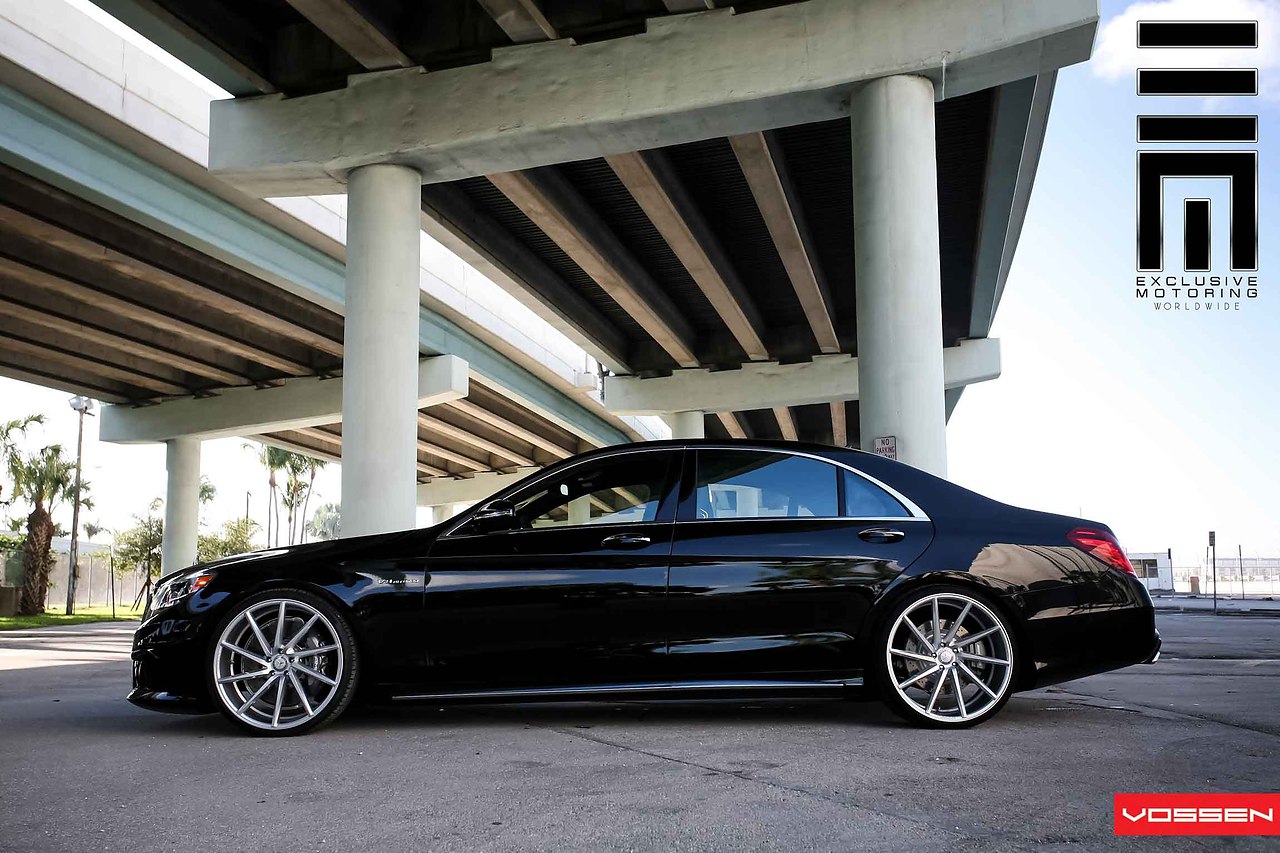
1189 290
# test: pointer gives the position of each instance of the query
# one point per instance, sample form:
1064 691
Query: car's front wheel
283 662
945 658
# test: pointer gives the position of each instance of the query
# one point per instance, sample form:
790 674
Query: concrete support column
686 424
580 510
380 358
899 290
181 504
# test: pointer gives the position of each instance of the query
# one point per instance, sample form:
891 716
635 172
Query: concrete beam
465 436
771 190
461 226
770 385
731 424
483 415
40 142
295 404
839 425
87 249
552 204
677 6
1021 119
138 313
786 423
686 78
653 183
469 489
75 328
353 31
522 20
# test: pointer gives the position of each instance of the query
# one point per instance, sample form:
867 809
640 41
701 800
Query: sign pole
1213 546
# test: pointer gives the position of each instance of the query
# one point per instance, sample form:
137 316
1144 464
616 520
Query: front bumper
168 662
168 703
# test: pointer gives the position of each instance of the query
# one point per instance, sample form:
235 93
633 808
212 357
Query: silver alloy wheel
949 657
278 664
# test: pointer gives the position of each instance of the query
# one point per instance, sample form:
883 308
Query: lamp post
83 406
247 495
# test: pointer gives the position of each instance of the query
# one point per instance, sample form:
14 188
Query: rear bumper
1086 643
1155 655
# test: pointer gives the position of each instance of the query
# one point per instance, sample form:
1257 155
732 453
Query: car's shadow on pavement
584 715
375 718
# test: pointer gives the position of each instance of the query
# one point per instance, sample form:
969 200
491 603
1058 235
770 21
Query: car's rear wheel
283 662
945 657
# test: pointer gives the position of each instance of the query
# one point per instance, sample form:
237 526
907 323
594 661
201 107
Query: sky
1160 424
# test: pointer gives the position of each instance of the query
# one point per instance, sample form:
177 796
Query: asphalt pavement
82 770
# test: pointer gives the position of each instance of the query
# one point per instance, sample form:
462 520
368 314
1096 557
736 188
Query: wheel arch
319 590
906 585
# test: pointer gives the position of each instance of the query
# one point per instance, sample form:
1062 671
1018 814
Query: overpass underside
779 219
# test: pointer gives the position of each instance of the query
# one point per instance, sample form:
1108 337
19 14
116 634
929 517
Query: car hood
328 550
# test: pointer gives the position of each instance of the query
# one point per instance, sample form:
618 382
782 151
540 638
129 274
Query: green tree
10 432
139 548
273 459
236 537
327 522
43 478
208 491
311 466
92 529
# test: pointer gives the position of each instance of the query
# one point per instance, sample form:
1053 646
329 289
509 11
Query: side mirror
495 516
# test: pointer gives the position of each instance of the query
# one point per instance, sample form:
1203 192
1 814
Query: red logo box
1197 814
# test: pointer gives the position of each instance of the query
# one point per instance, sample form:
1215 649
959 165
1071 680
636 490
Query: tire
916 670
272 681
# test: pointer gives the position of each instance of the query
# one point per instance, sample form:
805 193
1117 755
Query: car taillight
1102 545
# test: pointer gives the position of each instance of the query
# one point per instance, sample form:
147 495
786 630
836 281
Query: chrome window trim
545 474
917 514
901 518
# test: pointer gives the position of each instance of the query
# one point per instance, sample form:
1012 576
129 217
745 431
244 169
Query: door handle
881 535
624 540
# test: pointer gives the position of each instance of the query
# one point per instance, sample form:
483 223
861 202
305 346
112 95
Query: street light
83 406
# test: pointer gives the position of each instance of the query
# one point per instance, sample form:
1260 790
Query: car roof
755 443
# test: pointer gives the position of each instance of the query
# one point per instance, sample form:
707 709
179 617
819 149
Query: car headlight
172 591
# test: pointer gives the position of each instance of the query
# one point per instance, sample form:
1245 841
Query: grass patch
57 616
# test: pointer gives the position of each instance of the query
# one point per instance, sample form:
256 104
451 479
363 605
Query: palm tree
273 459
312 466
10 431
43 478
207 491
295 489
327 522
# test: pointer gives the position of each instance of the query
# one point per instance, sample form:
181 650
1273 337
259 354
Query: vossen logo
1196 289
1196 814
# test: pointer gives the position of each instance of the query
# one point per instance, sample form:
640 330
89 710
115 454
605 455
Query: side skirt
647 690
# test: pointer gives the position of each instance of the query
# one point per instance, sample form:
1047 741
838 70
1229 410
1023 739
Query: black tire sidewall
347 682
878 666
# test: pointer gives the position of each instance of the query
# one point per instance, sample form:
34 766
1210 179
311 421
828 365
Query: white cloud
1117 55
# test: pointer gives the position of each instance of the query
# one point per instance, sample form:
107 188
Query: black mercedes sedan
661 570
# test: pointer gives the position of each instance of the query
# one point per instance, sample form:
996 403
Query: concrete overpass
782 219
130 274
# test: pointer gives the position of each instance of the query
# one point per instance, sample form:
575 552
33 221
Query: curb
1254 613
